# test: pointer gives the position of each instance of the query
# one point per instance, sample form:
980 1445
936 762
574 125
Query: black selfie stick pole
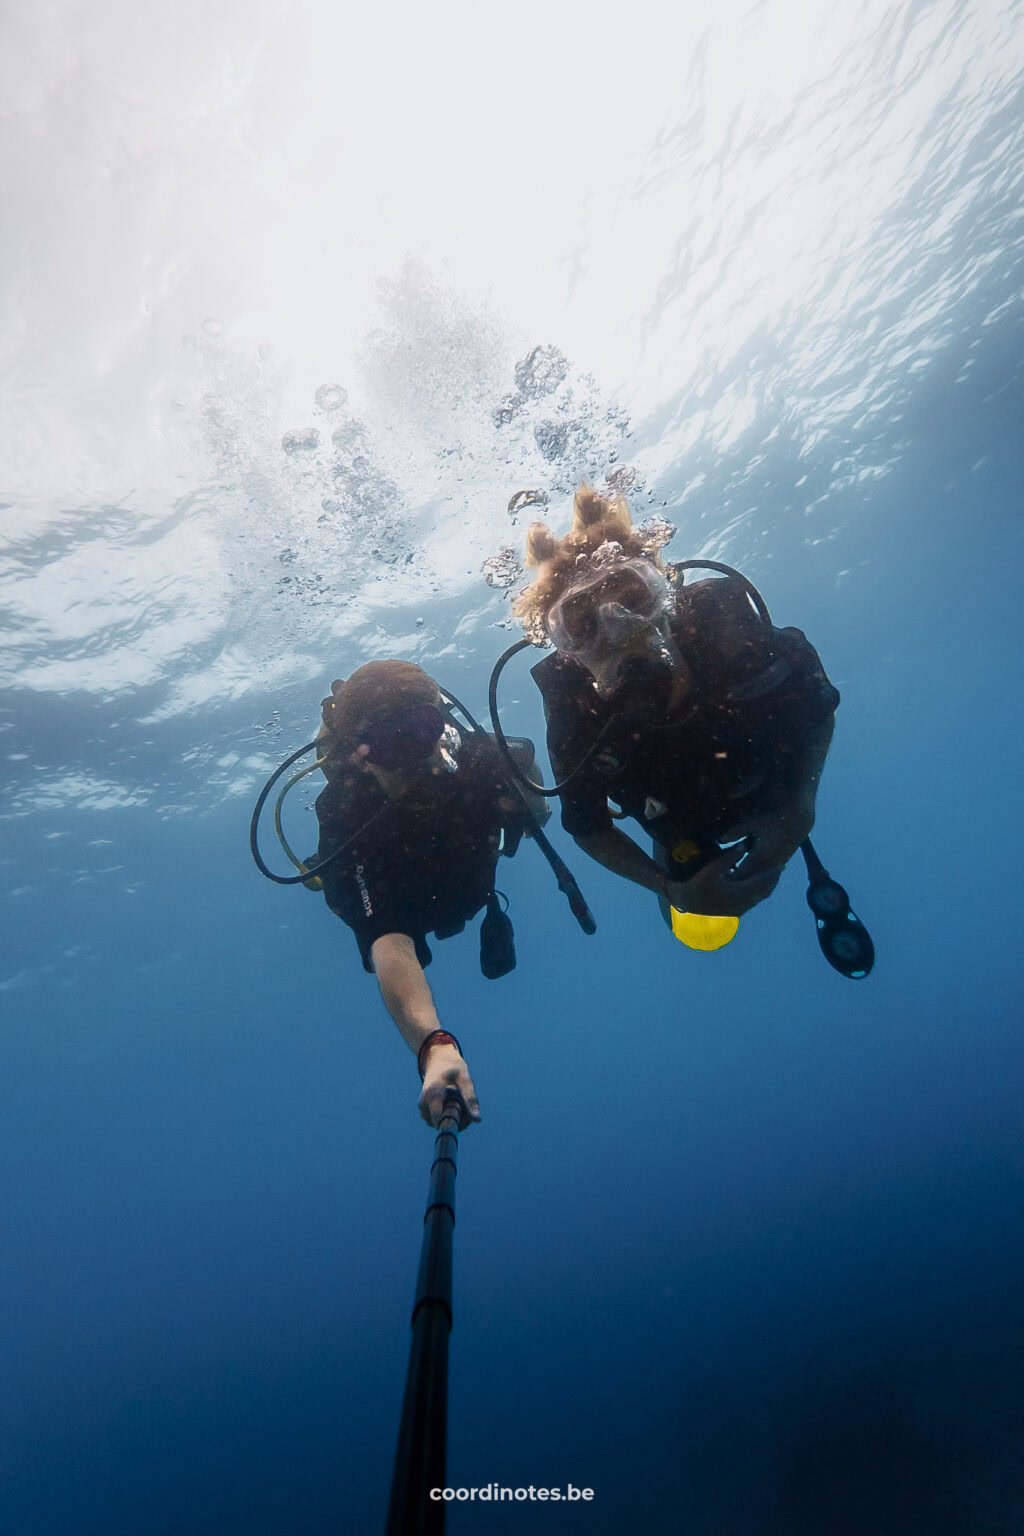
420 1455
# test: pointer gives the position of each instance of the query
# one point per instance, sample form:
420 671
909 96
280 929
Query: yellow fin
697 931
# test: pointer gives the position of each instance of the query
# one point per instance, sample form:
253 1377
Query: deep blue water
739 1243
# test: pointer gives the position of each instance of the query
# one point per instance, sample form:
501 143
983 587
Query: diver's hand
774 840
446 1069
715 893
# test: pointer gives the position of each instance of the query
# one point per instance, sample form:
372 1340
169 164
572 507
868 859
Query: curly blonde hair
598 521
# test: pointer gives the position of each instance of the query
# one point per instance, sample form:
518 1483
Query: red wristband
436 1037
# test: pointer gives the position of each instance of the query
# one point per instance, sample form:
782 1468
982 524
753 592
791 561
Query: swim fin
698 931
842 937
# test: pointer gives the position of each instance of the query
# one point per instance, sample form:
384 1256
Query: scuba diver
412 821
684 706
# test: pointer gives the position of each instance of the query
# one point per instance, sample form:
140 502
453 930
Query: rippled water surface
297 302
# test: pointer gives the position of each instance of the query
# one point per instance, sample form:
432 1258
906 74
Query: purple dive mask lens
405 738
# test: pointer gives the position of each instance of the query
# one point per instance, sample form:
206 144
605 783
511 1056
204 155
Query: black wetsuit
427 863
730 751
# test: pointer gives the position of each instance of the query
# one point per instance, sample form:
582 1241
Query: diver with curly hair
680 703
412 821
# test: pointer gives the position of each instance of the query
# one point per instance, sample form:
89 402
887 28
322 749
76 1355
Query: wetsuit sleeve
585 808
359 889
584 803
356 894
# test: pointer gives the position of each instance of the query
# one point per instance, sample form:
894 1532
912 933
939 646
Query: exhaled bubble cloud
316 543
309 513
540 372
503 569
319 535
558 421
433 363
559 428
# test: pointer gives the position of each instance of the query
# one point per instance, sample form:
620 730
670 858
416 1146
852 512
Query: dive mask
407 739
610 608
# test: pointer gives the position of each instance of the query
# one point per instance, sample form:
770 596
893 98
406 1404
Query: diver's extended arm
618 853
408 999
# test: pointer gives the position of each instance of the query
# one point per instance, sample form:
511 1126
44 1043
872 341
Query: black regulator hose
313 869
729 570
499 735
561 871
254 847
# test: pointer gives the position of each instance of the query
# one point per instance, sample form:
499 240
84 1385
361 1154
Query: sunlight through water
300 300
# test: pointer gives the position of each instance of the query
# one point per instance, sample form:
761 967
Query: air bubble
523 499
541 371
508 408
502 570
330 397
347 436
303 440
624 479
551 438
656 532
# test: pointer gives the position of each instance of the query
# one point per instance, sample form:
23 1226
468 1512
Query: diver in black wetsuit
420 815
683 705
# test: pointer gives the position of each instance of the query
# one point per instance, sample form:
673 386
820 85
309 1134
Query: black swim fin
842 937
